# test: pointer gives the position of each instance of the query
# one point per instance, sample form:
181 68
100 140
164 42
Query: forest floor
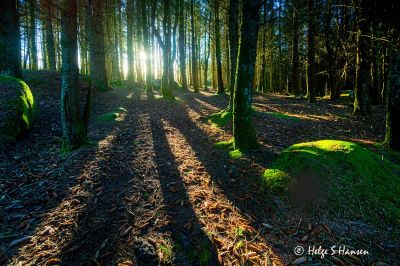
152 188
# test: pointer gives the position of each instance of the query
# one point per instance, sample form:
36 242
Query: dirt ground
151 188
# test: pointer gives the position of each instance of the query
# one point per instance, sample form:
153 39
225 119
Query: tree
10 43
129 42
217 37
98 72
244 135
146 45
311 53
363 74
182 44
295 56
49 35
392 136
166 48
72 124
233 45
195 79
32 39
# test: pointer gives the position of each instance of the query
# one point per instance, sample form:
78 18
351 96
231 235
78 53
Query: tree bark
72 125
10 43
182 45
311 53
295 59
233 45
195 79
96 39
146 46
49 35
363 76
32 40
217 37
129 42
243 131
392 136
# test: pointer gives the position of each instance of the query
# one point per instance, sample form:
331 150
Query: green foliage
111 116
221 118
357 183
22 108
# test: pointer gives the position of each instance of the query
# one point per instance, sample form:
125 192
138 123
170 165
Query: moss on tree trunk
243 131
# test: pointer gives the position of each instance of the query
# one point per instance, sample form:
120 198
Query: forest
199 132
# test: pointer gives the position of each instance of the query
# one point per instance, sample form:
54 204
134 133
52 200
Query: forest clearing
199 132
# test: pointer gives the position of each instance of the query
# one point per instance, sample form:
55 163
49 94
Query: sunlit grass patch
235 154
221 118
228 144
117 114
354 182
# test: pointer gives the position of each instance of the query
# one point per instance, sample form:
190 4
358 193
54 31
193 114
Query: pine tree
10 43
72 124
244 134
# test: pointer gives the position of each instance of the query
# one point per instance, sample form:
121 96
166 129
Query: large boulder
344 178
17 109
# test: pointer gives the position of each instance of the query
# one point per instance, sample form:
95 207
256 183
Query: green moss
235 154
25 110
111 116
356 182
221 118
228 144
166 252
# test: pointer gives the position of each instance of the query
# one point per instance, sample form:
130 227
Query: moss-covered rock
17 109
348 179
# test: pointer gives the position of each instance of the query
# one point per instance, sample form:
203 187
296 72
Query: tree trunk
72 125
392 136
311 90
166 83
243 131
10 43
195 80
129 43
96 39
49 35
217 37
363 77
182 45
295 59
146 46
32 41
233 45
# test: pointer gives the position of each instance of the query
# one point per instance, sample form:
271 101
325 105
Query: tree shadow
239 184
45 180
193 244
